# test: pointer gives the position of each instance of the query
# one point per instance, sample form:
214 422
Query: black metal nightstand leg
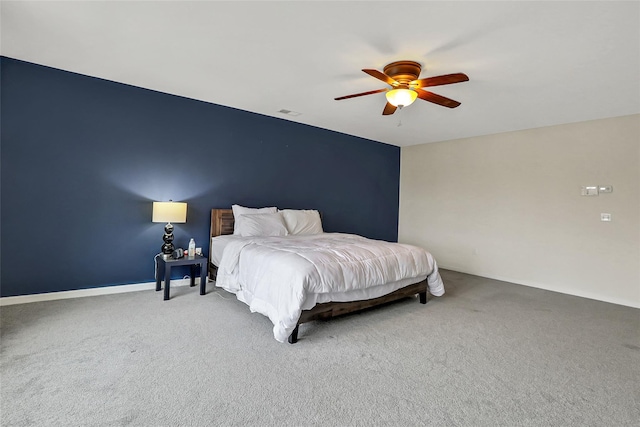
203 279
192 270
167 281
159 273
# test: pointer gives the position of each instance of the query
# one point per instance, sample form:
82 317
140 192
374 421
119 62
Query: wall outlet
605 217
589 190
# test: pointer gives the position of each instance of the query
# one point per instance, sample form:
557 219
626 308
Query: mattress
218 244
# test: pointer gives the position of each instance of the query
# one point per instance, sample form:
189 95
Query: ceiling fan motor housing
403 72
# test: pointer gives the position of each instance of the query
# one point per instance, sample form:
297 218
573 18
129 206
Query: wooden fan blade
382 76
436 99
446 79
361 94
389 109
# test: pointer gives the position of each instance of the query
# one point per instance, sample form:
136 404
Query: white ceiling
531 64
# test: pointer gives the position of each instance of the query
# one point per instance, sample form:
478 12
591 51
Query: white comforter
281 276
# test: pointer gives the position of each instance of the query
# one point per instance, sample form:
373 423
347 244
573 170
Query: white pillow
262 224
241 210
302 221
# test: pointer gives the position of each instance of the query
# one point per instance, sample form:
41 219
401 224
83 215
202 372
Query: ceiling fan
406 87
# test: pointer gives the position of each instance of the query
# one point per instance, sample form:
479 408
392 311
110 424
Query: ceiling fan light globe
401 97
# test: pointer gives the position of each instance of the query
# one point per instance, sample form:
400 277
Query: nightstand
163 268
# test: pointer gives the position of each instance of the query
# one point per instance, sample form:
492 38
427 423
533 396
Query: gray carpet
488 353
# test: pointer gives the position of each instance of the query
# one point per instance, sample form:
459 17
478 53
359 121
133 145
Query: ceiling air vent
289 112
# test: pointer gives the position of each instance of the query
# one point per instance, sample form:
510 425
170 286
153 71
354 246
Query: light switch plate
590 190
605 189
605 217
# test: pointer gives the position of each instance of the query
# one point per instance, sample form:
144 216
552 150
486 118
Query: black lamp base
167 248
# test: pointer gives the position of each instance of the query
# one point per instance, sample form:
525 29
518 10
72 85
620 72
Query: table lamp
169 212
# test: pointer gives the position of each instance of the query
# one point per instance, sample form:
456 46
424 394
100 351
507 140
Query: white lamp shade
169 212
401 97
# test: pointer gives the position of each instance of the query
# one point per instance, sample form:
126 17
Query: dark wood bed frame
222 222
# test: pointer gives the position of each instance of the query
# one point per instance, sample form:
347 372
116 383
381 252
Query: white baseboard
79 293
106 290
572 292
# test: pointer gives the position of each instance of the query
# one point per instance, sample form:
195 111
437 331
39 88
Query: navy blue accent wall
83 159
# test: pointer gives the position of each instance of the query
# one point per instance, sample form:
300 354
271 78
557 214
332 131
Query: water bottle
192 247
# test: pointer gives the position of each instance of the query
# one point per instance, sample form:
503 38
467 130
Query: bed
294 279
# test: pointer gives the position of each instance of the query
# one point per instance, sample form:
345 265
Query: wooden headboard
221 222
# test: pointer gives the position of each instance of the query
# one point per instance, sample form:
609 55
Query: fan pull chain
398 115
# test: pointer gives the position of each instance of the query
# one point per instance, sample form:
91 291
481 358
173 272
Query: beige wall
508 207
